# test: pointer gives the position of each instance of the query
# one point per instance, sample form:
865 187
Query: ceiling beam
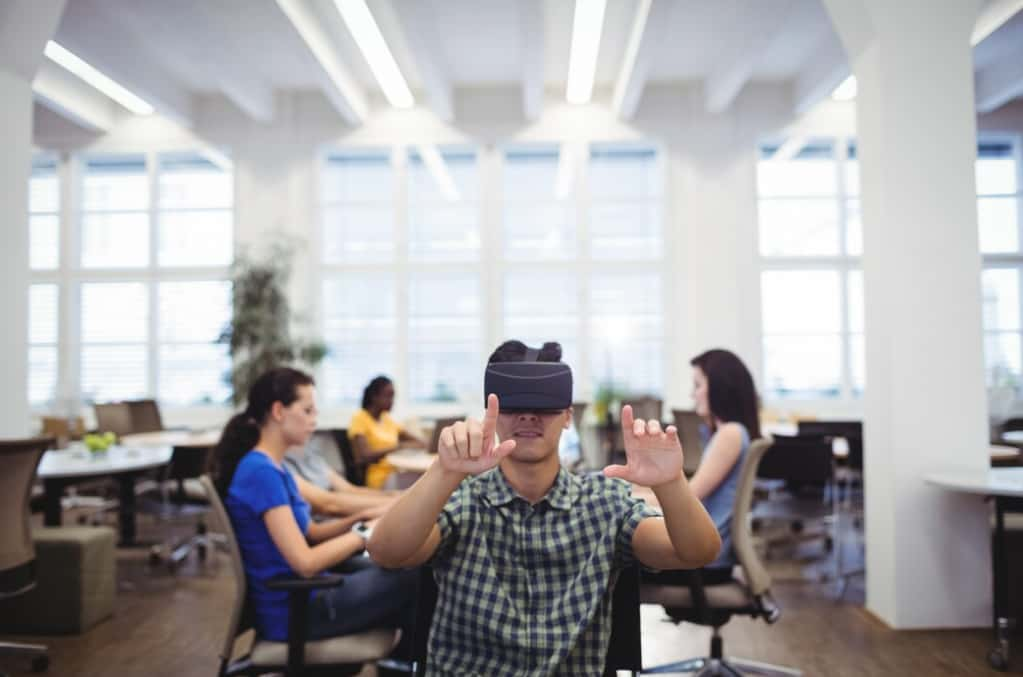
419 33
648 26
531 28
992 17
755 27
25 28
233 78
830 66
92 32
827 71
337 82
71 98
1000 83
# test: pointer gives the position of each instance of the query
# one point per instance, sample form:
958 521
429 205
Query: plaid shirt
526 589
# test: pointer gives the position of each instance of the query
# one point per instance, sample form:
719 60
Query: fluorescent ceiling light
370 40
845 91
582 63
564 179
439 171
93 77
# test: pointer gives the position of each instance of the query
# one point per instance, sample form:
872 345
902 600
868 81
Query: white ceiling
187 47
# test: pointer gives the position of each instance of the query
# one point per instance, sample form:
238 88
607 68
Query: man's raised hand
470 446
653 457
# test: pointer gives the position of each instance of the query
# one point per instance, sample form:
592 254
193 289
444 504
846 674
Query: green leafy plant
259 335
606 396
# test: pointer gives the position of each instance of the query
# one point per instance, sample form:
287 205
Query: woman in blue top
271 521
726 399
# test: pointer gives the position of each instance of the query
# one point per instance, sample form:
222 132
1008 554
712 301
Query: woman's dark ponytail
241 433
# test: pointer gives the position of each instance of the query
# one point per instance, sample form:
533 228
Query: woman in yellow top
374 434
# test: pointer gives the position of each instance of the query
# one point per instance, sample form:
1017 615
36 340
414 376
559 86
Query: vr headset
530 385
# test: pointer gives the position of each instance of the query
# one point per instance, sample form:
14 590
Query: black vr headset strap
532 355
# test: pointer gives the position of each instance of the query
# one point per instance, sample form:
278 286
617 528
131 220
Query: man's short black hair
516 351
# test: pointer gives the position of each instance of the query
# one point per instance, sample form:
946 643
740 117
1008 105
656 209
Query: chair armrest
300 584
298 590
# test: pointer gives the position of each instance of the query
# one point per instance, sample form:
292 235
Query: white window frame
492 265
843 263
1014 260
71 275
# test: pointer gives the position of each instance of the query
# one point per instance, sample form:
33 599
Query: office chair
114 417
438 427
799 476
17 552
343 655
145 416
624 651
690 427
182 498
354 472
715 604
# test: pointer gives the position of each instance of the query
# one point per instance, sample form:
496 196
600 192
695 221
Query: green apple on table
99 442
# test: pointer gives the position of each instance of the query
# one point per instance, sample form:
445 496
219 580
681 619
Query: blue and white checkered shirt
526 589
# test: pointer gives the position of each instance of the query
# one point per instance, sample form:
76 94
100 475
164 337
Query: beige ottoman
75 583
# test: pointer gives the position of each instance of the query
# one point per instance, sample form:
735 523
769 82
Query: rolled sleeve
634 510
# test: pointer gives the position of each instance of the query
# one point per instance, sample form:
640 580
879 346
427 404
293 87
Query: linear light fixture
845 91
439 171
370 40
582 63
65 59
563 181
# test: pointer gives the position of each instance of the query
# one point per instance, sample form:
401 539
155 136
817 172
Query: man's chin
531 450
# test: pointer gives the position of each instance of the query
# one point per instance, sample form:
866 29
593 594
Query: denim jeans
370 597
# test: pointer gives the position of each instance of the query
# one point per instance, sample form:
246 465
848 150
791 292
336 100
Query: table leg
53 489
998 657
126 509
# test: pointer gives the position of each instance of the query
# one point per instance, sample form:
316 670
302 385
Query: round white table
61 468
411 460
1005 486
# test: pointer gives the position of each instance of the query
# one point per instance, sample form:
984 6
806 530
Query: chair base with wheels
38 654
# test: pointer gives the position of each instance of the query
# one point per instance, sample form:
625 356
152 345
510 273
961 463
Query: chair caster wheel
155 557
40 663
997 659
201 550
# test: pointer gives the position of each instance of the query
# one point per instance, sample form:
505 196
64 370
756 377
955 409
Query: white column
15 160
928 559
25 26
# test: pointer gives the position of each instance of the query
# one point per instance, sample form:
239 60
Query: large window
491 252
44 294
999 200
145 282
400 260
810 240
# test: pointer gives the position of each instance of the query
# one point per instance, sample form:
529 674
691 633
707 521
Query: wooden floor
172 625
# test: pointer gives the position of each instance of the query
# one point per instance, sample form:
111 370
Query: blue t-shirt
258 485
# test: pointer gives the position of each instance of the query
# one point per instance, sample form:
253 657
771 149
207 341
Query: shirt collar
562 495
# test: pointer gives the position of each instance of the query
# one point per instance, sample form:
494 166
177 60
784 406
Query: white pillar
15 160
25 26
928 552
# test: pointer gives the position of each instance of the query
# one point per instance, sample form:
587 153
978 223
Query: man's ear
568 418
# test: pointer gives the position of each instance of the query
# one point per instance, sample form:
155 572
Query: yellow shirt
380 434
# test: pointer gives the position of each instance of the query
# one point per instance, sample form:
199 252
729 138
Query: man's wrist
671 485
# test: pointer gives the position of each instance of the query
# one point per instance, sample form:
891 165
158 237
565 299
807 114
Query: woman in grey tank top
726 399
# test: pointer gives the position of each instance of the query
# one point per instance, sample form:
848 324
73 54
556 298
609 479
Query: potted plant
259 335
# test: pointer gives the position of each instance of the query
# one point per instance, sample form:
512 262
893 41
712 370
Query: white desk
1013 437
1005 486
58 469
173 438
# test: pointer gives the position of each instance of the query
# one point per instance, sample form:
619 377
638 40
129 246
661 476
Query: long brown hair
731 394
242 432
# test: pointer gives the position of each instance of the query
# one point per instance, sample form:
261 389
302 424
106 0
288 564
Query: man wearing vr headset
525 553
